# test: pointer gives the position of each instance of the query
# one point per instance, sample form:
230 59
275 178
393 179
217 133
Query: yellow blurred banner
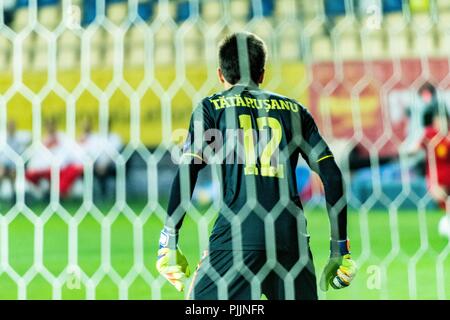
89 96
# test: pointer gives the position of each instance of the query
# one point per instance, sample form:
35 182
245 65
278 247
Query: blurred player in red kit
436 143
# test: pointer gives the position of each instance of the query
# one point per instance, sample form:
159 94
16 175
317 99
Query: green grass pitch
393 239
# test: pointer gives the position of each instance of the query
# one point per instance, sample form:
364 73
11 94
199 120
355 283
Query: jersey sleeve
197 140
192 161
312 147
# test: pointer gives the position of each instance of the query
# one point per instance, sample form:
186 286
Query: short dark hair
229 56
427 86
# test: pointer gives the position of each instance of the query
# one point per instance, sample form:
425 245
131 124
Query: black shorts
220 276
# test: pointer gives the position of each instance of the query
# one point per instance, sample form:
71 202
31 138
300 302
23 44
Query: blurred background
91 92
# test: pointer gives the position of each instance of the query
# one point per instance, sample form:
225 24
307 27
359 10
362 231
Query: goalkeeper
259 243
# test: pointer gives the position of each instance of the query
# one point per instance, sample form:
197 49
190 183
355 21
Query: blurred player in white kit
101 150
17 143
60 149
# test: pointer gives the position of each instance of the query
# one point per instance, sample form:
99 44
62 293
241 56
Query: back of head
11 127
51 125
427 92
242 57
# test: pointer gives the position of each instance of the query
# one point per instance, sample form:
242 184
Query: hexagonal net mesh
96 97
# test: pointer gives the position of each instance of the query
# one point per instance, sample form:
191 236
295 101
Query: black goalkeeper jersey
252 139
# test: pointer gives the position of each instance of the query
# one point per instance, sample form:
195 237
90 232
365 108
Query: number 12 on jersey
266 155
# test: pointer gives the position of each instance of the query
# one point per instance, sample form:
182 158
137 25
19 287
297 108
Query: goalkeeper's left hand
172 264
340 269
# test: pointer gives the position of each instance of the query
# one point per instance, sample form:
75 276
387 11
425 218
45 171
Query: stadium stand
405 30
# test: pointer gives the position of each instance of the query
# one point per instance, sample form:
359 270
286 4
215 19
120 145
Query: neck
247 84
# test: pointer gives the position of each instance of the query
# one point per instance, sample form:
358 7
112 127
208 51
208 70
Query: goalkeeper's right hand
172 264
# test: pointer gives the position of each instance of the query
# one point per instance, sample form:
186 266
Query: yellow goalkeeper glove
171 263
340 269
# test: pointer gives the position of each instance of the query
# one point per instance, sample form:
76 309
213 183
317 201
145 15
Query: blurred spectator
16 143
359 158
102 151
363 172
8 11
59 150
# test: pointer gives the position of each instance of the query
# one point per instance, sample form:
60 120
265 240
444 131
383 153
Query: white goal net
92 93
